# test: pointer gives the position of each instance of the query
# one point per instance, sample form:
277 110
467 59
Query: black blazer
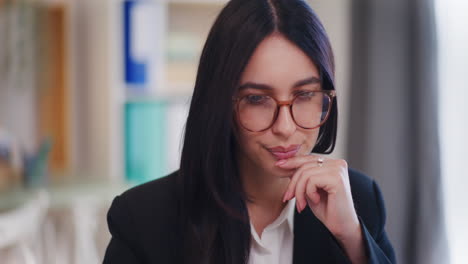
142 222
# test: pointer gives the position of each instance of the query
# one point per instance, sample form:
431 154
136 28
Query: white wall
453 96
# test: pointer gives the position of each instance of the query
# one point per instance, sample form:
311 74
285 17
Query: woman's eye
307 95
256 99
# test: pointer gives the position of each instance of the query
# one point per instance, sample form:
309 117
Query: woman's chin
281 173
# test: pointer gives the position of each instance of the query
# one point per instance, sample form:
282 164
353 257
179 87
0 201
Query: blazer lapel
313 242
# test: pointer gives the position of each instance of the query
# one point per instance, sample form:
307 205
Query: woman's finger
300 190
312 193
297 162
316 179
290 190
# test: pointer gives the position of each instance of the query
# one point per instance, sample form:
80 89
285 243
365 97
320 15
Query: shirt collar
286 215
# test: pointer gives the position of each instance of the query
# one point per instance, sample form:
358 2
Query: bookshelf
100 139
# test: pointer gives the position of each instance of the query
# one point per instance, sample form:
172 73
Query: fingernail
280 162
297 206
286 196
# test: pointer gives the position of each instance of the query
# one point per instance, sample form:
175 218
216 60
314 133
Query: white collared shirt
276 243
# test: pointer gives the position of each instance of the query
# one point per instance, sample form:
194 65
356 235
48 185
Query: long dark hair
214 218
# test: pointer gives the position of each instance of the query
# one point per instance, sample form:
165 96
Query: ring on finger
320 161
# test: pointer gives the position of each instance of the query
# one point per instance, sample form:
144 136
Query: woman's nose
284 125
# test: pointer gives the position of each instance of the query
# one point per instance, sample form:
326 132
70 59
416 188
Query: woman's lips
284 153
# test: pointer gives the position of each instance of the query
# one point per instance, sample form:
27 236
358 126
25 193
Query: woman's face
280 70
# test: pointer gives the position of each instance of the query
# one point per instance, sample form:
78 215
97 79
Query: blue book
143 29
136 71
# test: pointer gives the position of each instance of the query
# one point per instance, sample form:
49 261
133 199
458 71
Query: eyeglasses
309 109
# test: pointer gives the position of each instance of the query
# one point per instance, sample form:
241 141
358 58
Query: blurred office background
94 96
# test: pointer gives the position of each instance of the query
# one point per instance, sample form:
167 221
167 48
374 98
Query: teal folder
145 147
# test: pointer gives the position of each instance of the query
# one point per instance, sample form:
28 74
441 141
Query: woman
248 189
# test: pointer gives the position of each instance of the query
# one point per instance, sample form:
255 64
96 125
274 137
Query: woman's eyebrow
260 86
311 80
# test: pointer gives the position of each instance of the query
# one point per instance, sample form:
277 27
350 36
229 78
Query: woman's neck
266 196
264 190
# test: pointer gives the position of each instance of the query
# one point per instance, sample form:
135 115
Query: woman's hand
324 186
